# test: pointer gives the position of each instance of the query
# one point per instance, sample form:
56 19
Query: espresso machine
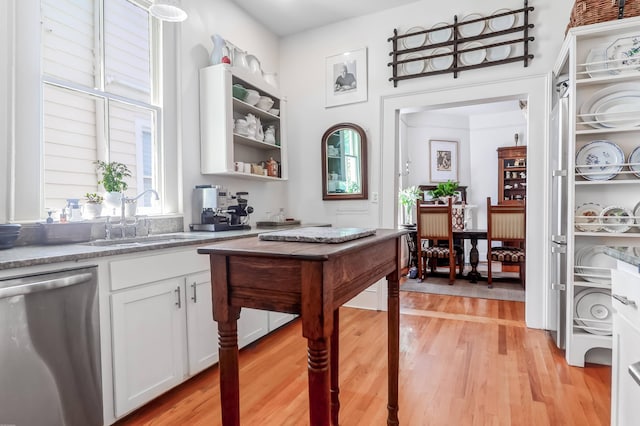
214 209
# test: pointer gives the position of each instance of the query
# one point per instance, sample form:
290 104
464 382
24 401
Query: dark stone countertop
19 257
629 254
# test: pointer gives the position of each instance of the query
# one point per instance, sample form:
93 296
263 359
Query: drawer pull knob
624 300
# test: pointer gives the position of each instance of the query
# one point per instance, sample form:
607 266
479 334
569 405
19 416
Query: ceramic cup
239 166
247 167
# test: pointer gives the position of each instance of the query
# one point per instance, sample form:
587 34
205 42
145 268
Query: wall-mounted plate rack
448 56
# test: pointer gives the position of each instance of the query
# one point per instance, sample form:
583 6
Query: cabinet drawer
626 285
155 267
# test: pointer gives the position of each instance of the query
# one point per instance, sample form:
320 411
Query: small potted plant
113 175
93 205
407 197
445 190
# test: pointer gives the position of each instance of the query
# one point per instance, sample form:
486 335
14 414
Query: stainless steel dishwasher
50 349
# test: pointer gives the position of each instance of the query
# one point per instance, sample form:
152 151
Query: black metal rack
457 41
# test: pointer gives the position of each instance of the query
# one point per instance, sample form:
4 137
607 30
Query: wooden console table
312 280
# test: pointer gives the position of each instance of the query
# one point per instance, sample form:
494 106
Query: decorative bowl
252 97
239 92
264 103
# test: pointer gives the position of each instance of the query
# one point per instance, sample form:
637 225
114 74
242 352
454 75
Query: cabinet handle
634 371
195 292
179 302
624 300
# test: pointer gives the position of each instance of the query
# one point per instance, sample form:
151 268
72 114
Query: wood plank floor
463 361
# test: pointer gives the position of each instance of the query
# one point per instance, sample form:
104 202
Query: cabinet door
252 325
202 330
625 391
148 332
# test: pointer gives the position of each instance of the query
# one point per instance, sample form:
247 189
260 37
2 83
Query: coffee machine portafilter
215 210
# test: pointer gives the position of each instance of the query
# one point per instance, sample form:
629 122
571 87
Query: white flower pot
91 210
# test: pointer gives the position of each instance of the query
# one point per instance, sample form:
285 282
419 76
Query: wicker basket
587 12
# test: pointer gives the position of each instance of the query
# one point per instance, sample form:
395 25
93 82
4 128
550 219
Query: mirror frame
363 194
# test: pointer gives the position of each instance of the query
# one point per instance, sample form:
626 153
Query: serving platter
616 219
587 110
589 223
593 307
594 265
623 55
599 160
620 109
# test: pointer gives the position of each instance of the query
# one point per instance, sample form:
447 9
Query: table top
299 250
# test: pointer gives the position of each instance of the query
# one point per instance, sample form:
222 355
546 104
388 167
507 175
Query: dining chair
506 223
434 225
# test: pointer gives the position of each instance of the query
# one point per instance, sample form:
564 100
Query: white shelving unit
221 148
623 190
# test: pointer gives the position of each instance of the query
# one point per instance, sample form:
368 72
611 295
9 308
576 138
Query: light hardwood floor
463 361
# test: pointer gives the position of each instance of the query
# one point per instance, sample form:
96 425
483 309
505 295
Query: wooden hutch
512 174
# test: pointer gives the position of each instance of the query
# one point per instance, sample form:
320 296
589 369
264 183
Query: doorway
535 90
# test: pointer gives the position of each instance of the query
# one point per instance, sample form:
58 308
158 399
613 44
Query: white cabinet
202 330
625 389
148 326
598 178
222 149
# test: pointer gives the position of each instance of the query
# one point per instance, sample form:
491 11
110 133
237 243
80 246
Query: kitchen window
100 97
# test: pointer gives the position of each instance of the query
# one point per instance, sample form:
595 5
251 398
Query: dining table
312 279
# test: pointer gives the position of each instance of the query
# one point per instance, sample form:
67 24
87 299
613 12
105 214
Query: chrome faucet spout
144 192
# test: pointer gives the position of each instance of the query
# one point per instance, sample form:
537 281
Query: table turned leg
318 370
229 376
393 346
335 354
474 259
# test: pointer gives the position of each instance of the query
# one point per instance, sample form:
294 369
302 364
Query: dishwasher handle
20 288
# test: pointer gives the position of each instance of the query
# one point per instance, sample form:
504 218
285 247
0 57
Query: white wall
225 18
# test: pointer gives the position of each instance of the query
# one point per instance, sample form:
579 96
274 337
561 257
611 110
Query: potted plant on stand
445 190
407 197
113 175
93 205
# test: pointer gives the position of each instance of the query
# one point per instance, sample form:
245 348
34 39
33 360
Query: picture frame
443 160
346 78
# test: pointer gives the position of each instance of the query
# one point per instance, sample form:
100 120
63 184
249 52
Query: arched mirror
344 163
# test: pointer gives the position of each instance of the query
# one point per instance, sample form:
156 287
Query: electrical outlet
374 197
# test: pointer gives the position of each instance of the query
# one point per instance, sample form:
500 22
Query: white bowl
265 103
252 97
276 111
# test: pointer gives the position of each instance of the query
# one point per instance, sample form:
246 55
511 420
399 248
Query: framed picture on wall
443 160
346 78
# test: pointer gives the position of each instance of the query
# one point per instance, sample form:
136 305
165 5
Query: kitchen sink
142 241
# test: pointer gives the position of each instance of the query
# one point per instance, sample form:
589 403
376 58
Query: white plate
415 67
616 219
622 111
594 257
254 64
414 40
617 90
636 213
634 157
593 305
501 23
590 223
474 57
443 62
471 30
498 53
442 35
602 156
596 64
623 55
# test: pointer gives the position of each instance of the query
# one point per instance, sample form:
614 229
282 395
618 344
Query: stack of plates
613 107
599 160
594 265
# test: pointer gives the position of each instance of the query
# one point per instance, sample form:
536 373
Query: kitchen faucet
122 224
